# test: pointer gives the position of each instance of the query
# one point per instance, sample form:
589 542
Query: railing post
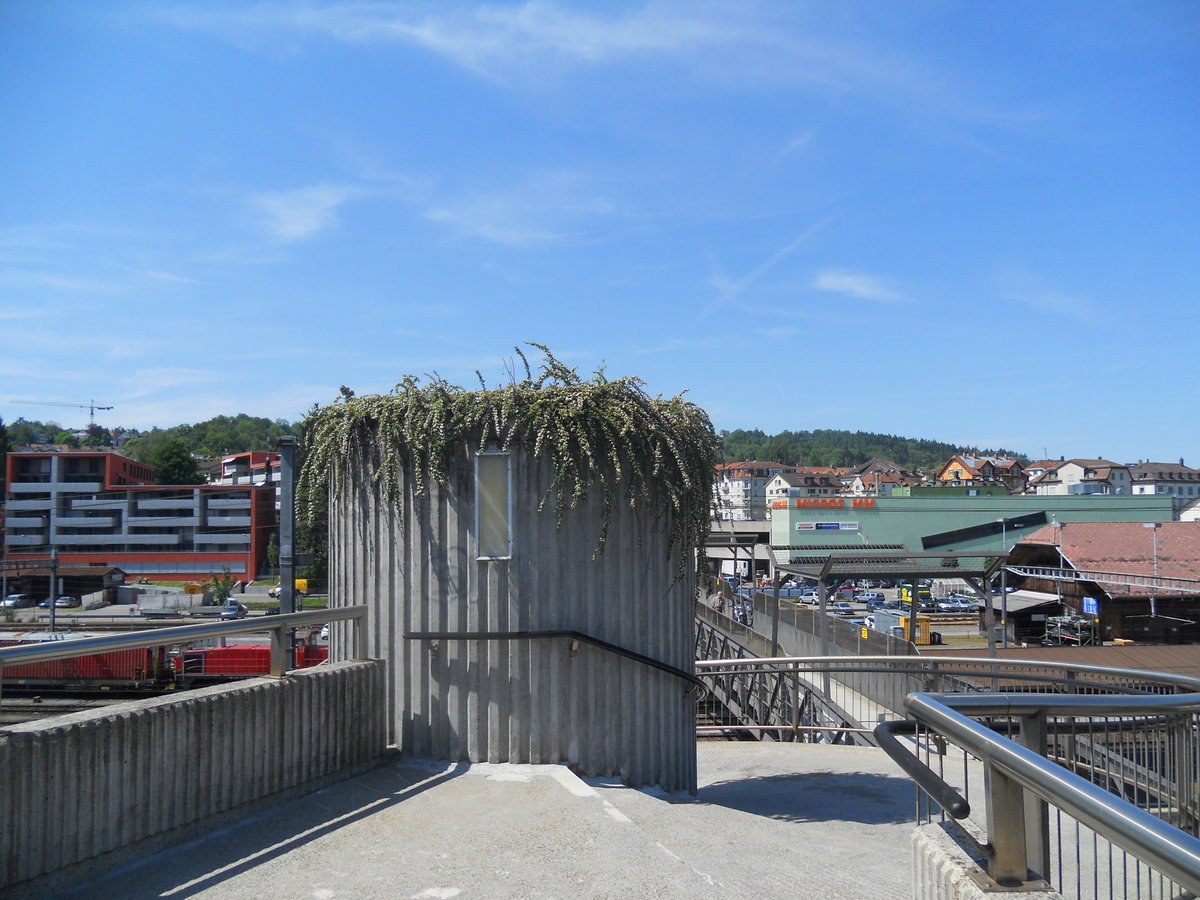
279 650
1006 827
796 702
1037 810
360 637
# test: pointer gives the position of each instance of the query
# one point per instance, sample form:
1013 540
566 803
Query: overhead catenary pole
52 593
287 522
1004 582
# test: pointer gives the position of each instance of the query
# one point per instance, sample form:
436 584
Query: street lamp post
1004 580
1154 599
1058 527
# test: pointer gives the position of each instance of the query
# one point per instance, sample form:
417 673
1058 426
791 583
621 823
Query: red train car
116 668
239 660
152 667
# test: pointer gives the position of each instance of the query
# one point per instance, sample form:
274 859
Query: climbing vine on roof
600 435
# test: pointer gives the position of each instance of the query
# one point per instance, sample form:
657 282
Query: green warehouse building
934 523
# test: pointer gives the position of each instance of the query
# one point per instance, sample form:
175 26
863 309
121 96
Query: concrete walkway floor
769 820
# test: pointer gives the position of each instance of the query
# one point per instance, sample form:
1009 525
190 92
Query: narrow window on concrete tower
493 505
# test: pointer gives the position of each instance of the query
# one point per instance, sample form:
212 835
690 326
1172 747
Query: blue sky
934 219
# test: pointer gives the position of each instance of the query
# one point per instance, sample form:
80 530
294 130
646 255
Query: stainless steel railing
1085 776
279 628
1016 843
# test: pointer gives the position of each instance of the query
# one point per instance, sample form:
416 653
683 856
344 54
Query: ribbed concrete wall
522 701
943 870
76 787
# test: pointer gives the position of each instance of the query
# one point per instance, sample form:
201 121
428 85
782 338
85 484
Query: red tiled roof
1126 547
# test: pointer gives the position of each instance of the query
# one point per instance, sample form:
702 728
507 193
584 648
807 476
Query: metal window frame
508 512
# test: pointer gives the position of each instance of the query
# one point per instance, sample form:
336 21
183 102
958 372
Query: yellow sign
865 632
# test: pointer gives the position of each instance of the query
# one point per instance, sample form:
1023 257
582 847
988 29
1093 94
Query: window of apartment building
493 505
33 470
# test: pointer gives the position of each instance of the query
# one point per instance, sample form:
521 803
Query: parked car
233 610
842 608
18 601
957 604
871 598
59 602
793 590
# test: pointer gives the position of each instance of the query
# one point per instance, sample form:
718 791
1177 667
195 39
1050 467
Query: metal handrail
972 666
945 796
1167 849
278 626
1015 775
599 643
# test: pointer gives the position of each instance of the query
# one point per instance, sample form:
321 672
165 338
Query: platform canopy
899 566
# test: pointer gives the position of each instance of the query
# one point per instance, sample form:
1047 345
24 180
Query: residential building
98 508
982 471
873 484
1040 467
802 483
741 489
252 467
1175 479
1084 476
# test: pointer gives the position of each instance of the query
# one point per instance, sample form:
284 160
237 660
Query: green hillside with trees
215 437
825 447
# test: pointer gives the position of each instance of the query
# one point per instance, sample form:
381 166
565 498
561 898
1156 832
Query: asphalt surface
769 820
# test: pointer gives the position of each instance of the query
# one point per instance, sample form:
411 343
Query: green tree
174 463
66 438
97 437
273 550
222 585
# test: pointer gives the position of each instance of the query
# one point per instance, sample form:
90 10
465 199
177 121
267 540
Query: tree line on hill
173 451
827 447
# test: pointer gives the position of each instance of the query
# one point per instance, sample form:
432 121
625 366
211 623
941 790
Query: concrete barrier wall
944 870
81 786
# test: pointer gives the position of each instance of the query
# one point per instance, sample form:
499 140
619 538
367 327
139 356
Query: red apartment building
101 508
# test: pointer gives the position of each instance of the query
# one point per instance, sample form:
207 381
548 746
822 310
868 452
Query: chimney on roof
1181 460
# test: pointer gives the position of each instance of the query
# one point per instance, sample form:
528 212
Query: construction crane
90 406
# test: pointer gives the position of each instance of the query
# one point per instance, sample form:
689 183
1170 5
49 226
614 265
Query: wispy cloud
675 345
483 38
730 46
780 333
729 289
546 208
797 143
855 284
58 281
302 212
147 382
159 275
1034 292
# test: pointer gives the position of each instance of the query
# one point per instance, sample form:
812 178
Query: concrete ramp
769 820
